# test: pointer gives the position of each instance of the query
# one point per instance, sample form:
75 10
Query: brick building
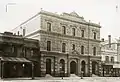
18 55
110 53
68 43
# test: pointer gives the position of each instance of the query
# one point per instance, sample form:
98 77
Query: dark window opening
82 33
48 26
82 49
48 46
63 47
94 51
73 31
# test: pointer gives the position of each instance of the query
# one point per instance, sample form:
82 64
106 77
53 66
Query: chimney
109 39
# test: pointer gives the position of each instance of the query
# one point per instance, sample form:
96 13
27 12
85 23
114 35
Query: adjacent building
110 53
18 56
68 43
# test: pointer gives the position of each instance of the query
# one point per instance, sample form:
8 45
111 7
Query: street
66 79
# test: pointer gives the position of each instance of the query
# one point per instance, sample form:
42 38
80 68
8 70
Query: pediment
74 14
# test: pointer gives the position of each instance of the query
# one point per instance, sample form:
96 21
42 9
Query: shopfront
13 67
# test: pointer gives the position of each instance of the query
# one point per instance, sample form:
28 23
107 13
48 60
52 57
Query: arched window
94 34
94 51
48 45
73 31
82 49
63 47
73 47
48 26
82 33
63 29
112 59
107 58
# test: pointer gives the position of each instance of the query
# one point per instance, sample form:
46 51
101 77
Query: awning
116 66
14 59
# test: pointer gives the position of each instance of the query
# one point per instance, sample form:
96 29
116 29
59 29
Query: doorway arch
94 67
73 67
83 67
62 62
48 66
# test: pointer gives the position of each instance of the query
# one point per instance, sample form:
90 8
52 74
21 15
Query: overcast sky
103 11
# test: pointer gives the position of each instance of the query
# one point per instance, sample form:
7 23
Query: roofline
58 16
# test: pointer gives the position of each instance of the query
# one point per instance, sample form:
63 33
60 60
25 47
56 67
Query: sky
103 11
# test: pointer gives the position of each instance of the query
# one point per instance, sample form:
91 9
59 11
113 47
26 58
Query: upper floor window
94 51
48 45
63 47
107 58
82 33
94 34
73 47
24 32
73 31
82 49
63 29
112 59
48 26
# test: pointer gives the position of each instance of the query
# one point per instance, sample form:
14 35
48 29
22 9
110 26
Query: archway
62 68
94 67
83 67
62 62
73 67
48 66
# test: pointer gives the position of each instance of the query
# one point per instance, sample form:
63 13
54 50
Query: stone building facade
110 53
68 43
17 56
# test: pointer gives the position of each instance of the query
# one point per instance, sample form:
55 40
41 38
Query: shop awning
14 59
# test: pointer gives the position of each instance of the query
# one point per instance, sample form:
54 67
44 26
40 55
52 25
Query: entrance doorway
62 69
73 67
48 66
94 67
83 67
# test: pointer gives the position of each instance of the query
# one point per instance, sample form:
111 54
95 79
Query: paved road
66 79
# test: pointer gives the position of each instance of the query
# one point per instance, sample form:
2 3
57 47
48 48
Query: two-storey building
110 53
18 55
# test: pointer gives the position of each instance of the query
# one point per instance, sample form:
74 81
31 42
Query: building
68 43
17 56
110 52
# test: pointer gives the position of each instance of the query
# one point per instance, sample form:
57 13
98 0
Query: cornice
58 16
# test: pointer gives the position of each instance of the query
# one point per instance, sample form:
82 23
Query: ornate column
55 66
90 67
79 70
68 67
100 68
43 70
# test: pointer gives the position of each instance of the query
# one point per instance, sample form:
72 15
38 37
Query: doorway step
48 76
73 75
93 75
